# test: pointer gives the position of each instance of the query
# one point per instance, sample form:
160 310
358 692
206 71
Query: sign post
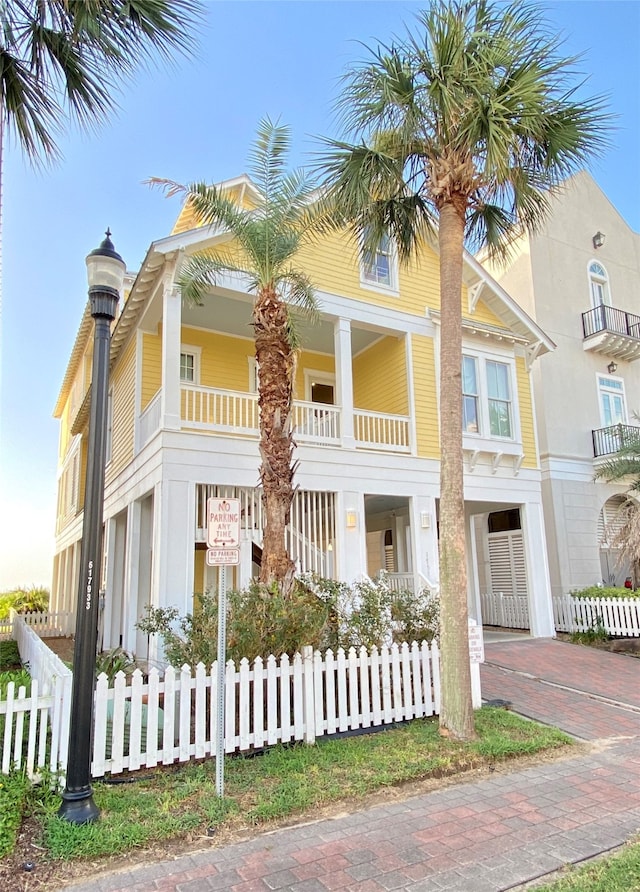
223 541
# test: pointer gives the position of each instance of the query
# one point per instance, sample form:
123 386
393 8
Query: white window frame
254 374
190 350
372 283
601 279
312 376
618 391
483 437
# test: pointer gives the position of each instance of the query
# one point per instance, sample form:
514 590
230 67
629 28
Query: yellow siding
223 358
380 378
123 386
333 265
482 313
151 367
319 362
424 386
526 415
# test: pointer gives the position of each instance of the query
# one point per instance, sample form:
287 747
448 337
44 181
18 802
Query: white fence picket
619 616
171 717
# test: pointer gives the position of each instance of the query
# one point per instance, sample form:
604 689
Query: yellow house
183 426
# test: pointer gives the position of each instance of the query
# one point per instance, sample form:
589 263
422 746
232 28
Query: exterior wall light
352 520
598 239
612 367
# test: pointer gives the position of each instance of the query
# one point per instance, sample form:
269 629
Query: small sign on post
223 523
223 541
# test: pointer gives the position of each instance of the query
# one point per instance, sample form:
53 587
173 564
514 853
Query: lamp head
105 267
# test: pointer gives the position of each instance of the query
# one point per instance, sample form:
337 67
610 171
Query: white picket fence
619 616
143 722
35 728
47 625
174 717
507 611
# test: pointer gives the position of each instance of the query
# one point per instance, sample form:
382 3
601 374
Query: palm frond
202 272
64 59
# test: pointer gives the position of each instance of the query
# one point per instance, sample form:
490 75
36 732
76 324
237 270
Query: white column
131 566
173 550
538 584
473 582
171 339
344 379
351 537
110 534
424 538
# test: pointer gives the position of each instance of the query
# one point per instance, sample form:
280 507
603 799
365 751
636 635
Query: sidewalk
488 835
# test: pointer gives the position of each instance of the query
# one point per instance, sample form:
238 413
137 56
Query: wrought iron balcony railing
609 440
605 318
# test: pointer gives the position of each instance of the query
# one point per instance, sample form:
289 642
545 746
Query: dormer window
378 267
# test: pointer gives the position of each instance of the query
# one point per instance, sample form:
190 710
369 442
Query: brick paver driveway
489 835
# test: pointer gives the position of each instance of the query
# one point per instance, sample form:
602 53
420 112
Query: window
599 285
487 406
499 397
613 407
469 395
190 364
379 267
187 367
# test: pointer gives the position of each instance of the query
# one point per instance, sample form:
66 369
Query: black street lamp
105 272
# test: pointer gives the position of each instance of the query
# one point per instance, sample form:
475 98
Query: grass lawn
617 873
284 782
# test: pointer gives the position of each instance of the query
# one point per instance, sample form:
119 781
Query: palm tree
265 242
61 59
464 127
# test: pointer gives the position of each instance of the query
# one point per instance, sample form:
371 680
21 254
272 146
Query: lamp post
105 273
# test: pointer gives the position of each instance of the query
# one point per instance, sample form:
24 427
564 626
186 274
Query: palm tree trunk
456 711
275 360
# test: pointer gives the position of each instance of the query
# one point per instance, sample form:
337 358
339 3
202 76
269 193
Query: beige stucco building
579 278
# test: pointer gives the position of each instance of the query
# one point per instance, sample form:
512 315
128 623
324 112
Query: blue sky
196 121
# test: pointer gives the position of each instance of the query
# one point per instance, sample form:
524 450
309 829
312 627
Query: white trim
600 377
253 374
483 439
602 280
314 376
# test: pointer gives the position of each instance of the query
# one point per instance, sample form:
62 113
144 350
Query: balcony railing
605 318
609 440
227 411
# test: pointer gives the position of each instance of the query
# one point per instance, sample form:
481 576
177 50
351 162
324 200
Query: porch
234 413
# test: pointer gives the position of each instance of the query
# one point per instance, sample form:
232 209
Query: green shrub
9 655
19 676
320 612
260 621
592 635
24 600
416 617
113 661
597 591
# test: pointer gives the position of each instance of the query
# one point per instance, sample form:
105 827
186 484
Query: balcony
609 440
235 413
612 331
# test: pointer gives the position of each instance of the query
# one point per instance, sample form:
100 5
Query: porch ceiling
232 315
